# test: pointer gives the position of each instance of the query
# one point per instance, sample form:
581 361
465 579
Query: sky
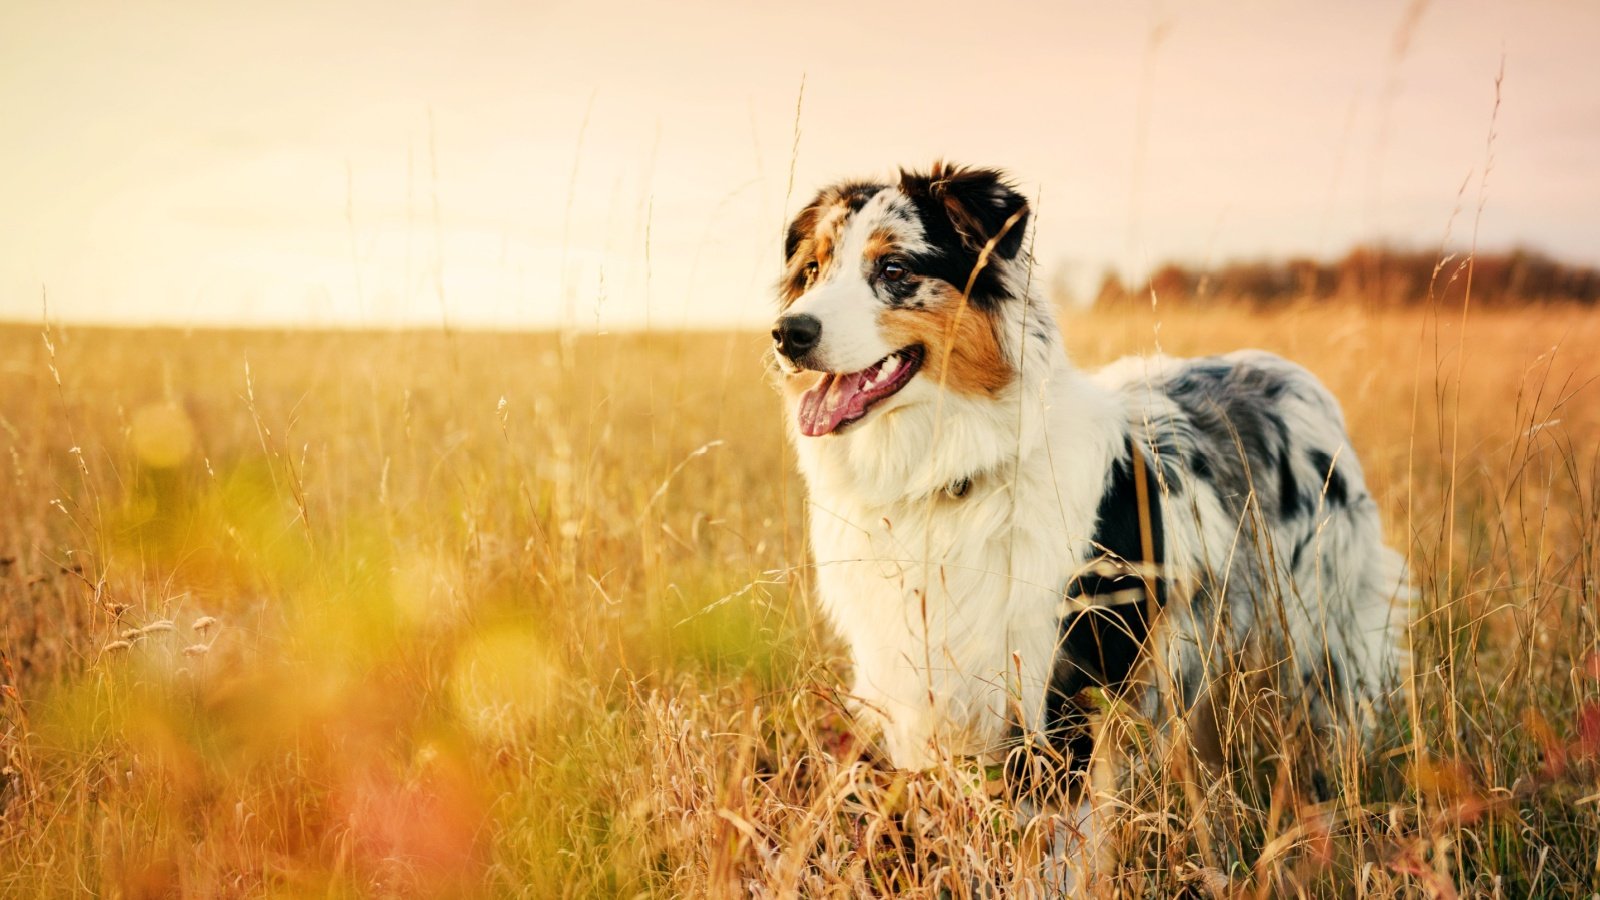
623 165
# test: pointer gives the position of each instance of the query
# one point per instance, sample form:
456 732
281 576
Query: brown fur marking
942 326
822 224
880 244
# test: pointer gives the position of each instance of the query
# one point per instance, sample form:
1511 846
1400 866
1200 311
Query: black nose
797 335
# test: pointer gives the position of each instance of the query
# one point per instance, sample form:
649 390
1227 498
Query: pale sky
615 163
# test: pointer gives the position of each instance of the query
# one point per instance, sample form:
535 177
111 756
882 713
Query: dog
996 531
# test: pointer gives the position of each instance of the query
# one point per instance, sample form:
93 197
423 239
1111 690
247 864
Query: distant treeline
1373 275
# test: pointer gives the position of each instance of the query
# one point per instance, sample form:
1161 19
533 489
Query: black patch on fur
1200 375
799 229
985 202
1100 646
1288 489
1336 492
1169 459
856 195
1237 421
954 268
1117 526
1299 551
1043 772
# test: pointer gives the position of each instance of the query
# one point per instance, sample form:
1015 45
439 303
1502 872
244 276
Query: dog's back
1273 543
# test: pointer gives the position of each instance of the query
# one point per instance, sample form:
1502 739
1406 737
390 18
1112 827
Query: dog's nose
797 335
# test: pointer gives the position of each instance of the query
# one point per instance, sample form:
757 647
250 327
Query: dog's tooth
889 366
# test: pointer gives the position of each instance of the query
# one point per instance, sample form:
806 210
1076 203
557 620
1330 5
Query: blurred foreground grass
433 615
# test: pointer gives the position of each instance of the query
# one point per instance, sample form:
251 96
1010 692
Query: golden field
427 614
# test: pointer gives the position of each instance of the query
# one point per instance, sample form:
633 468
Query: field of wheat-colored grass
425 614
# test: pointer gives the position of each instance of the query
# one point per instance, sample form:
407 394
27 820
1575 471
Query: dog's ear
796 241
980 204
801 227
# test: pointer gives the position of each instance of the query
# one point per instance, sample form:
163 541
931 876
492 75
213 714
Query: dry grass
518 615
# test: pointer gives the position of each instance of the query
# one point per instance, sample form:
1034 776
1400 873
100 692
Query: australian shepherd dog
998 534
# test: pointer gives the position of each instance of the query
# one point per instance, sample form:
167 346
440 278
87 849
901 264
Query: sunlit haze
622 165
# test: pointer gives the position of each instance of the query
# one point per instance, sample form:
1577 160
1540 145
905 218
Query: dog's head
893 291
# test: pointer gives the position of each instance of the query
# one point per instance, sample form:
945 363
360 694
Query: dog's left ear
980 204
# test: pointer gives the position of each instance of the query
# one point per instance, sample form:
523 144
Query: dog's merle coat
996 531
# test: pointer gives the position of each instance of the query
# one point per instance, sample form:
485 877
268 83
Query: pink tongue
835 400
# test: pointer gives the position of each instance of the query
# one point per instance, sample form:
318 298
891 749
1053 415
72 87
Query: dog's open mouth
842 398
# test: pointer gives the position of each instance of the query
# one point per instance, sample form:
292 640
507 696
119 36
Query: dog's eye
811 271
893 270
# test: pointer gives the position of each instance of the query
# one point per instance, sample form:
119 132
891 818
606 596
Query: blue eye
893 270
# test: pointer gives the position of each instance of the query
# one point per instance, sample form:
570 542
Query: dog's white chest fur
949 603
